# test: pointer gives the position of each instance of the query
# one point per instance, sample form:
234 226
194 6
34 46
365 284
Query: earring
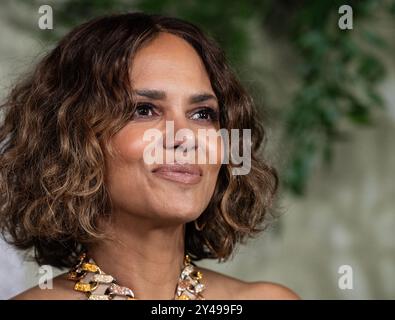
197 226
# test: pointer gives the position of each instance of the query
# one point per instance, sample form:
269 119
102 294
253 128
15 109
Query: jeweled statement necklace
97 285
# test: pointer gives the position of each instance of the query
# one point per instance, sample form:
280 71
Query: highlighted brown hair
58 121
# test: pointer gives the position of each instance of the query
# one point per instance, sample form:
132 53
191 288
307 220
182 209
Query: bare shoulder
62 290
221 286
268 291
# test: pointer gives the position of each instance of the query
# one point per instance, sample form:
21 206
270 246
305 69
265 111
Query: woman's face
170 83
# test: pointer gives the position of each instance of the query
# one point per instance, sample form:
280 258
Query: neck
145 258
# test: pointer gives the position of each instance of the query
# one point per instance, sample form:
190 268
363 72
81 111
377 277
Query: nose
179 133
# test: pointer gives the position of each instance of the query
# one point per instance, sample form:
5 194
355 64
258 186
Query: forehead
169 61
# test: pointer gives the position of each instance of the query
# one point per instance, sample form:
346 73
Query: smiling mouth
183 173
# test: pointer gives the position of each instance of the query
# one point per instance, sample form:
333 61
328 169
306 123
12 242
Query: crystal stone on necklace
187 271
183 284
199 287
116 289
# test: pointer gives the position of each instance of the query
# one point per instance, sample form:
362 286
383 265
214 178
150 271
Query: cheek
128 147
217 147
128 143
213 170
126 167
211 150
214 154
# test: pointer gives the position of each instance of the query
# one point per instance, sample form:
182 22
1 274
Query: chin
182 214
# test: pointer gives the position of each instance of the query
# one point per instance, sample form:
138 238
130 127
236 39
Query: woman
76 186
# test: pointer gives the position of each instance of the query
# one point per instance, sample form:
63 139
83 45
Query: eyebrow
161 95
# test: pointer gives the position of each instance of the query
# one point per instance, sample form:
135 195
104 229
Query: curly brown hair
58 120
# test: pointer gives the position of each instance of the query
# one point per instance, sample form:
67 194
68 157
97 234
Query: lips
183 173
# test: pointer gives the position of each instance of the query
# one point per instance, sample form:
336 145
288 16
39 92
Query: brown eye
205 114
144 110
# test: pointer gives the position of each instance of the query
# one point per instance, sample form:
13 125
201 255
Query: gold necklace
97 285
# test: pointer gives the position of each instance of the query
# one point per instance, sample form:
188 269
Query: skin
148 230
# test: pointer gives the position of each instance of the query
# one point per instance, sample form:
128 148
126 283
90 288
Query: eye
144 110
205 114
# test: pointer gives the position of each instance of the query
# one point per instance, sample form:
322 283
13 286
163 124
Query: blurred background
328 100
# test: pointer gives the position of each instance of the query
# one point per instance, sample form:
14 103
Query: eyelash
209 110
139 105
